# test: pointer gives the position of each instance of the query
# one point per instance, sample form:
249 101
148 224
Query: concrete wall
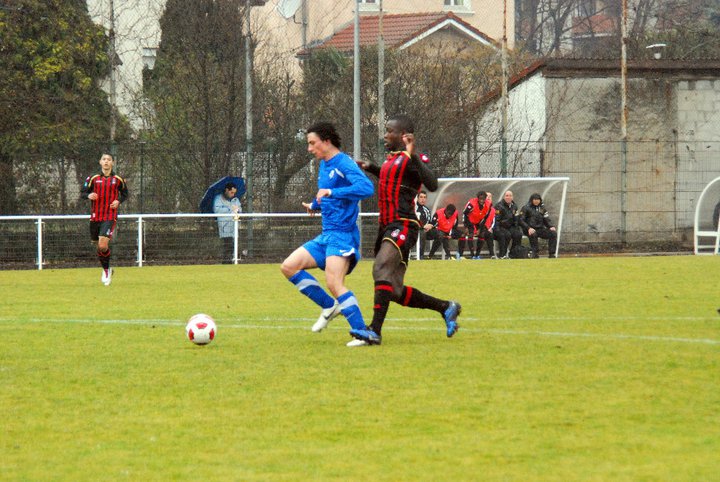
669 126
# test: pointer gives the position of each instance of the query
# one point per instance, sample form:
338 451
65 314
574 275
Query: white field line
560 334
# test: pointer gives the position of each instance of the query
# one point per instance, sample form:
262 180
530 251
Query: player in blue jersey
341 185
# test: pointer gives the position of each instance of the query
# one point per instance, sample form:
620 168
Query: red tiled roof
398 29
596 25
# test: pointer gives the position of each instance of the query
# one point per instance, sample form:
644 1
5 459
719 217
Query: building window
369 6
457 5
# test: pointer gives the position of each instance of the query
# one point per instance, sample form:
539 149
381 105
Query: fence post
39 242
236 224
140 242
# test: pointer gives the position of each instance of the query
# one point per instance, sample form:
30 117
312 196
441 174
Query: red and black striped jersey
399 180
108 188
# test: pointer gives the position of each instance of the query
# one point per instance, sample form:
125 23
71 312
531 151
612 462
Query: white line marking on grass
606 336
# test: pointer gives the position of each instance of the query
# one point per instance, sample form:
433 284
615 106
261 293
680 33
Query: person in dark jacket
424 215
507 226
536 223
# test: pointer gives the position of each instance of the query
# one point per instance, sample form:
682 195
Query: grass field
568 369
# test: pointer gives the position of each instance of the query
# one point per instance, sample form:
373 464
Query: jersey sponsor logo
339 173
99 181
331 174
395 233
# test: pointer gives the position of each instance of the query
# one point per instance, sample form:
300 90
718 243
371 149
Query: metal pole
504 97
381 84
356 83
357 152
39 242
142 177
623 125
140 237
113 81
248 124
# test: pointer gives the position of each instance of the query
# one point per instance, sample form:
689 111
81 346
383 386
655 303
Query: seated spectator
479 221
445 222
536 223
507 226
424 216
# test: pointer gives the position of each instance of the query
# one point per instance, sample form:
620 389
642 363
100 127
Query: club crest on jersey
424 158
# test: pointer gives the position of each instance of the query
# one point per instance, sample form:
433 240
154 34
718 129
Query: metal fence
647 199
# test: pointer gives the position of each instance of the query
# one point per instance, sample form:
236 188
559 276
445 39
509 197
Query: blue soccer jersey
348 184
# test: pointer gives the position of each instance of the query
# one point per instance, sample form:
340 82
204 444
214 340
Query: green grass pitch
568 369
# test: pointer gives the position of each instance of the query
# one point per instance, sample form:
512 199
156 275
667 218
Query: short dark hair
326 132
230 185
481 194
423 191
450 209
404 122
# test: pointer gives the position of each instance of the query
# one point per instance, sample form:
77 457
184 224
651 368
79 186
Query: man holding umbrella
227 202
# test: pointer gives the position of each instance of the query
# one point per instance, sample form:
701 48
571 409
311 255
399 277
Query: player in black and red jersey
400 178
106 190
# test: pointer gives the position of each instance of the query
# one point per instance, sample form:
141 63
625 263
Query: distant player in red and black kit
106 190
400 178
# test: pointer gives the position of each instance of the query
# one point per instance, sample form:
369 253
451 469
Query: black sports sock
383 297
104 257
415 298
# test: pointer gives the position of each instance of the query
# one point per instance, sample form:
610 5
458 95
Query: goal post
460 190
706 225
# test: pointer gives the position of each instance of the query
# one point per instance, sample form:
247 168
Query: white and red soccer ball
201 329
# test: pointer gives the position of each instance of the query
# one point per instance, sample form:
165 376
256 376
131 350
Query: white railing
40 220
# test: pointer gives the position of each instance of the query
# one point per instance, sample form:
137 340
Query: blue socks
309 286
351 311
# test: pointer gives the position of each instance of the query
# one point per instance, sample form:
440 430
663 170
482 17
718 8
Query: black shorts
402 233
105 229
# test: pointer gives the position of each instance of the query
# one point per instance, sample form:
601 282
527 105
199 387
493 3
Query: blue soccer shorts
335 243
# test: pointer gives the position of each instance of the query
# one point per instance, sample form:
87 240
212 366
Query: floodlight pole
381 83
357 151
623 125
504 97
248 126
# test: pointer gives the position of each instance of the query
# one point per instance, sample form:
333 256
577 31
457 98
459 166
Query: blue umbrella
218 187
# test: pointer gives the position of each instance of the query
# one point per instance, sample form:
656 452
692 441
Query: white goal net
707 230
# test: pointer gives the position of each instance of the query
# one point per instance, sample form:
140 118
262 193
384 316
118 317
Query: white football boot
325 317
356 342
108 278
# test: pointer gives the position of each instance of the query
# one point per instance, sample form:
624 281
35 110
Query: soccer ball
201 329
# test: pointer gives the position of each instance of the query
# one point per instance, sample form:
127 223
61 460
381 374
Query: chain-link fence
645 196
